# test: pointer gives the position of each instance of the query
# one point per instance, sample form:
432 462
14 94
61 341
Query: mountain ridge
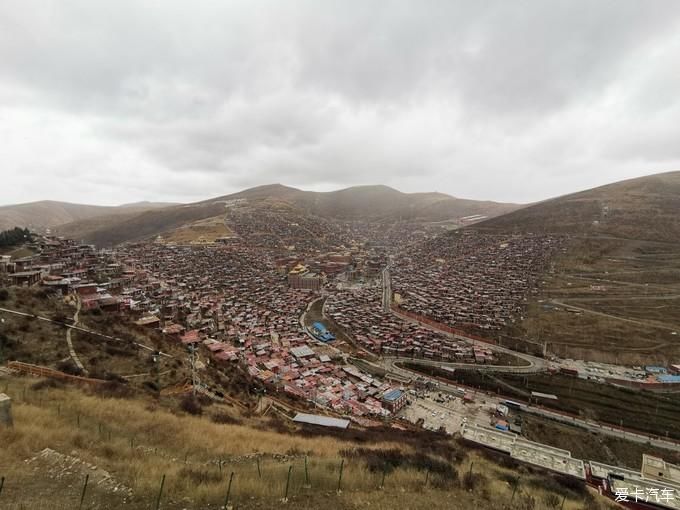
374 203
44 214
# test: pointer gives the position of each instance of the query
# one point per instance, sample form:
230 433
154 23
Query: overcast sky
110 102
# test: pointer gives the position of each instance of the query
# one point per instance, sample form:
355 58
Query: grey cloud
494 100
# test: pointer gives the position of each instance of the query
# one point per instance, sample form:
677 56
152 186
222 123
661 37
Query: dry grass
200 231
140 440
623 299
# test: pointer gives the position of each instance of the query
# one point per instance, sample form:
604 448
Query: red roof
190 337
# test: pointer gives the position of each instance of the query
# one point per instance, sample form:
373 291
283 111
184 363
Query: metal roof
393 395
653 369
302 351
324 421
668 378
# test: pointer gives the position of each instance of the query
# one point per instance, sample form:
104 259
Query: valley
261 307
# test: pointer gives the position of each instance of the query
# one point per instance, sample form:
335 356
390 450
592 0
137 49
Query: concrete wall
544 456
658 469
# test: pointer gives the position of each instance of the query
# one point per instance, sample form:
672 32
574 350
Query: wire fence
222 486
58 478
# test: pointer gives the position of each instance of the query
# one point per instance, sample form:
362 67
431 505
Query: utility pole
156 368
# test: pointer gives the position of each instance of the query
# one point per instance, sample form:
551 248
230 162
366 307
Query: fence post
78 420
307 484
382 482
82 494
226 500
259 472
2 483
160 493
342 465
427 476
285 497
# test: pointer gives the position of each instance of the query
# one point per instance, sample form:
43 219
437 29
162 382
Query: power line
88 331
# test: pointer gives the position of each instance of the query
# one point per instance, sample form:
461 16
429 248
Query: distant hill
373 203
378 203
48 213
145 204
646 208
112 229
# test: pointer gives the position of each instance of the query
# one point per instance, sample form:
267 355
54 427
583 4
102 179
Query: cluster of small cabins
471 279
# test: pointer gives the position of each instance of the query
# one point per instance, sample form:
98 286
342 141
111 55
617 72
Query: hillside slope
113 229
368 203
50 213
141 426
612 294
645 208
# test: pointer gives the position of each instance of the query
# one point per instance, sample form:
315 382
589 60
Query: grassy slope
99 430
627 292
625 237
43 343
16 252
114 229
49 213
644 208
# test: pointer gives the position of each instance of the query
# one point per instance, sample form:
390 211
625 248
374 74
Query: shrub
526 502
61 317
47 383
191 405
224 419
200 476
551 500
444 481
113 389
387 460
151 386
68 367
6 342
561 485
473 480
